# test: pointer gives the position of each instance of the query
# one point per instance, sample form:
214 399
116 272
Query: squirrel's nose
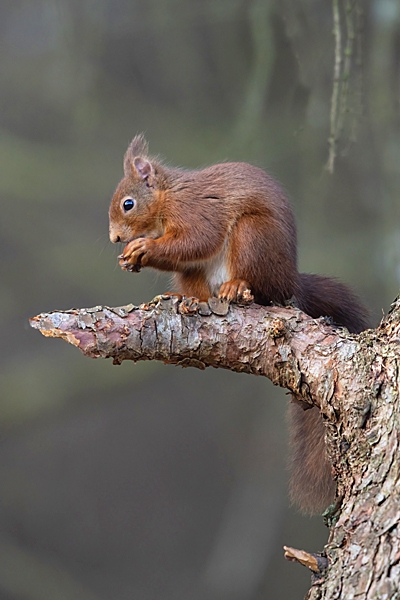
114 238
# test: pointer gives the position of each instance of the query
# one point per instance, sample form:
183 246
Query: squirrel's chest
216 270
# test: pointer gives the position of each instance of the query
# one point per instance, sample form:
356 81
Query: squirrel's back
237 187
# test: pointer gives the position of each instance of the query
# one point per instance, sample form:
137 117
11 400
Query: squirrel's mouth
153 235
136 237
131 238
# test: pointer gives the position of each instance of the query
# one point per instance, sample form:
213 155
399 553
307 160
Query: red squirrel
222 231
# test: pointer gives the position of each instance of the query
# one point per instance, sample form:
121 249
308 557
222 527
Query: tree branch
291 349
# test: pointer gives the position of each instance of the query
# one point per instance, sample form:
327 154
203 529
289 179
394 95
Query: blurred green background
146 481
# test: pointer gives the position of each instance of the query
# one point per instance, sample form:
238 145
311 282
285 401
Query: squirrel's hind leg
193 283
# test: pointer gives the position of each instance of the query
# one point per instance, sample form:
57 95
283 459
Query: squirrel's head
135 207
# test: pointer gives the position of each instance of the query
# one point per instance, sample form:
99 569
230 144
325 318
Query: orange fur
222 230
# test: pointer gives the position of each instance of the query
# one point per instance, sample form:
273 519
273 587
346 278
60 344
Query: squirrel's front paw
136 254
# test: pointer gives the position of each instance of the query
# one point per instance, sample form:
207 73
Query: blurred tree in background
143 481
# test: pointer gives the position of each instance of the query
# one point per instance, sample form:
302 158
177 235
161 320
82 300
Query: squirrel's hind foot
236 290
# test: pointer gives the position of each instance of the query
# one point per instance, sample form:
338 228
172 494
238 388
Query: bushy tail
328 297
312 486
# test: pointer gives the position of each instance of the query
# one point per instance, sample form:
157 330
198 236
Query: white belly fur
216 271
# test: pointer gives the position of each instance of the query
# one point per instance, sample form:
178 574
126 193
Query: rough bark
354 379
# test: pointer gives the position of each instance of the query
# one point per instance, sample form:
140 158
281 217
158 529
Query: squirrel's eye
128 204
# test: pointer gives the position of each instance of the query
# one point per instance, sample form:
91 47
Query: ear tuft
137 148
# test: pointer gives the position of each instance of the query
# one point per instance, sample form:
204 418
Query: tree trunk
353 379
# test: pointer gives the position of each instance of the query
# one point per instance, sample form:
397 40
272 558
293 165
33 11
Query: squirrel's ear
143 168
137 148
